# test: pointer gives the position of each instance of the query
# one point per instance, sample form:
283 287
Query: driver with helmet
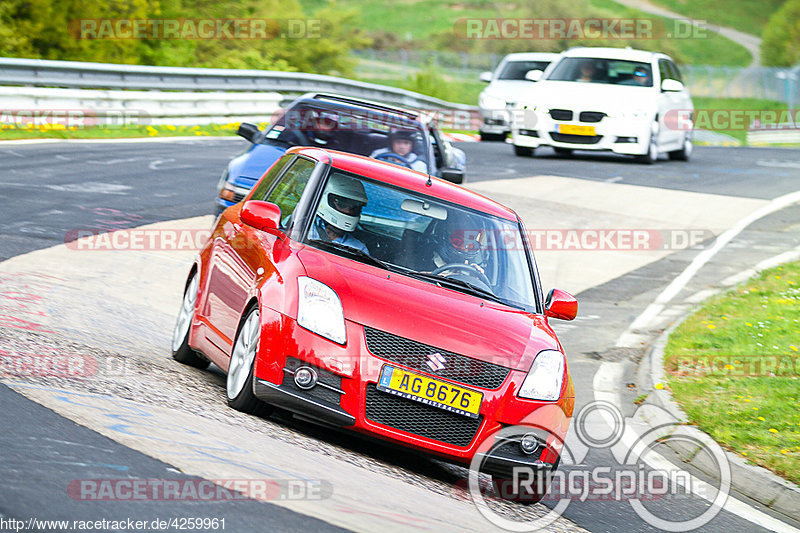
339 212
459 239
401 144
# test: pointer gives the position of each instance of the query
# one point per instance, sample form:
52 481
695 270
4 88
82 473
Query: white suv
623 100
507 84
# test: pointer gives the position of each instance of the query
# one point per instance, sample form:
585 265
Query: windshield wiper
355 252
458 283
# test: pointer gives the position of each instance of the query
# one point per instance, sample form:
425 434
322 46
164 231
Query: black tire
685 153
181 351
564 152
652 152
504 488
242 397
523 151
492 137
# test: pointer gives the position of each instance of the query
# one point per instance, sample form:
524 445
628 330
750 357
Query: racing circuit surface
138 414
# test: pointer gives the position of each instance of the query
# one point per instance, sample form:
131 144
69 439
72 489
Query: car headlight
320 310
487 101
222 179
545 377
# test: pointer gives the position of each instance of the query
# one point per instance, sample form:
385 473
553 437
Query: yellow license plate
430 391
572 129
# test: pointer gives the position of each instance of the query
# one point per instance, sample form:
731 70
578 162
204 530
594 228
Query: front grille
413 354
238 197
420 419
561 114
591 116
575 139
319 392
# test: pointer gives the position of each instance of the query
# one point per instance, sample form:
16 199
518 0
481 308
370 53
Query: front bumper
618 135
495 121
353 371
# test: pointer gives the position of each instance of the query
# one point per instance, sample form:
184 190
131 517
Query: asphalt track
50 190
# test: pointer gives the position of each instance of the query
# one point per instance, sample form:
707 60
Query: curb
753 481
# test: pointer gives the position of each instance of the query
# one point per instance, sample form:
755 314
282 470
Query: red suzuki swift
357 293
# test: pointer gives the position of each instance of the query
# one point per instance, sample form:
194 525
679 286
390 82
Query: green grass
98 132
702 48
416 22
723 105
734 367
749 16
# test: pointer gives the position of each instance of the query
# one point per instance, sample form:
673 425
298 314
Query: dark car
346 124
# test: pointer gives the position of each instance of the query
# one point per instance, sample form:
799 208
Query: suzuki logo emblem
436 361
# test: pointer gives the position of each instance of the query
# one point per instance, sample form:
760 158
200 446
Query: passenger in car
640 77
401 143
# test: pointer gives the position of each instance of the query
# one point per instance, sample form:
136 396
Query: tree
780 46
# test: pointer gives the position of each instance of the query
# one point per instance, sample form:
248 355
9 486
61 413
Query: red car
357 293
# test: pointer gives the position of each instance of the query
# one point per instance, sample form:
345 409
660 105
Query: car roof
614 53
340 101
407 179
531 56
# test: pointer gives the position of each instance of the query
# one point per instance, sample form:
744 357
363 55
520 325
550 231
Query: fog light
305 377
529 443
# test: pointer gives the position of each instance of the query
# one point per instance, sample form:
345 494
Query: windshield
423 237
397 139
608 71
516 70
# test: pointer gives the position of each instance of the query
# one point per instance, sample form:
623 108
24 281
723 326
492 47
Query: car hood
247 168
594 96
432 315
509 90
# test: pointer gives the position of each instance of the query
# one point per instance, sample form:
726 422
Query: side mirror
264 216
248 131
534 75
561 304
671 86
453 175
485 77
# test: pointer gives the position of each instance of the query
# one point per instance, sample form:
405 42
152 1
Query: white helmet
342 201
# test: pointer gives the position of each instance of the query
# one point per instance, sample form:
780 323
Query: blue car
405 138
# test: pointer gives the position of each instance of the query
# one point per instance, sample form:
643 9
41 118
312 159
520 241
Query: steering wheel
467 269
392 157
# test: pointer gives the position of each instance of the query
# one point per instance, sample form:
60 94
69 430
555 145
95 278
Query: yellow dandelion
784 451
728 367
744 453
761 418
773 430
748 324
711 326
793 347
659 386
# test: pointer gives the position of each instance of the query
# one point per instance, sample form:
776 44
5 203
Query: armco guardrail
80 75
